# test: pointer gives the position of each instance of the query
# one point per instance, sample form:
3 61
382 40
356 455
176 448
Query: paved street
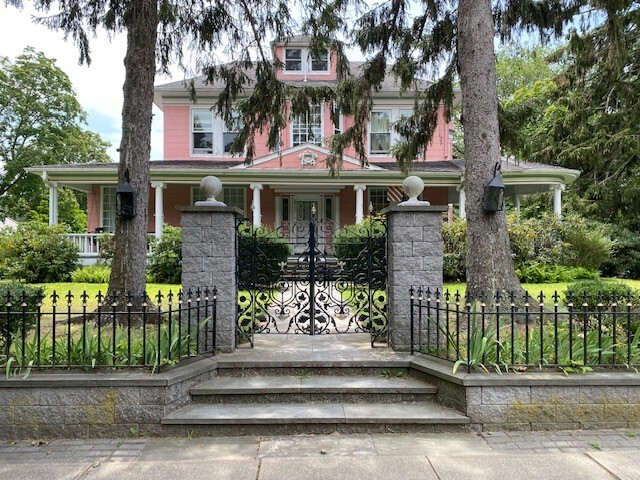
511 455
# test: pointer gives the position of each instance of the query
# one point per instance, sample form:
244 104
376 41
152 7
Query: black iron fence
62 331
507 333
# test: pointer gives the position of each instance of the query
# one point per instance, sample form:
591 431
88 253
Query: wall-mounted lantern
125 198
493 200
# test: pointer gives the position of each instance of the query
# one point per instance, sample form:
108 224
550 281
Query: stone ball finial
211 187
413 186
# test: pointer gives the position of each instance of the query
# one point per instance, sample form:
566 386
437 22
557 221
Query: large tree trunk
130 257
489 262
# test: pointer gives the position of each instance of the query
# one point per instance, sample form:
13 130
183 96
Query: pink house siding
94 208
177 127
347 206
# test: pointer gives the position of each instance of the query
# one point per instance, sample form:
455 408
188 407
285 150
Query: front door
303 213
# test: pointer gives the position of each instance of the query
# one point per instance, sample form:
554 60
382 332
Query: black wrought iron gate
312 278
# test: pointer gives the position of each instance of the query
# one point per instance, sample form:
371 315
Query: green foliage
37 253
107 247
596 289
544 273
165 264
625 260
357 246
454 236
13 324
92 274
41 124
264 247
544 249
69 211
90 350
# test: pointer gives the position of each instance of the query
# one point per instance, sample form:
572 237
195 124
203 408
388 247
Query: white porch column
257 208
277 218
53 203
359 202
463 204
557 200
159 187
517 203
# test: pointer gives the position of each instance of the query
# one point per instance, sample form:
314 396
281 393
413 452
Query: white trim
321 105
395 113
297 148
218 129
305 61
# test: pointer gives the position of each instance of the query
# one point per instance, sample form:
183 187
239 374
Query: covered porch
283 190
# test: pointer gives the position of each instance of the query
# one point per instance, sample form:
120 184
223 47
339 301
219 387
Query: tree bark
128 266
489 263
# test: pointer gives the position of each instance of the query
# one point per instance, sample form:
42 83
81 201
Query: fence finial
211 187
413 187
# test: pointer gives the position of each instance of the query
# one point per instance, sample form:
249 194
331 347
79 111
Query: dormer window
293 59
321 63
300 60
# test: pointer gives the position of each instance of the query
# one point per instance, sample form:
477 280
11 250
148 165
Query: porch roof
449 173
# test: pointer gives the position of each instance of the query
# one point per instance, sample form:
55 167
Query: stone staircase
267 398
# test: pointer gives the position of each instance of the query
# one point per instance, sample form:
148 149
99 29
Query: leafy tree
70 212
41 123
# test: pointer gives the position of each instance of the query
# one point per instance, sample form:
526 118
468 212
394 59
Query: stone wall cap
409 208
208 208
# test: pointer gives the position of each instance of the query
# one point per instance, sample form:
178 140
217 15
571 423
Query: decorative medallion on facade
308 158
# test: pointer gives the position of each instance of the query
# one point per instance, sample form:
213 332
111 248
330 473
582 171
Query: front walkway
513 455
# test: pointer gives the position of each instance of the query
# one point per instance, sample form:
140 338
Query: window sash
307 128
293 59
109 209
320 63
378 198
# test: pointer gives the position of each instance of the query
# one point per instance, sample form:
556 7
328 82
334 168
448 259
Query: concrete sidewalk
501 455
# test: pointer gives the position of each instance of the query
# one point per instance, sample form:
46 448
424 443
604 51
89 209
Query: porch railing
89 244
60 331
517 333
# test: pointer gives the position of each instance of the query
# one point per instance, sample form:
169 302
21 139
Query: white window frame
219 128
306 62
375 191
390 132
193 132
395 113
319 140
102 206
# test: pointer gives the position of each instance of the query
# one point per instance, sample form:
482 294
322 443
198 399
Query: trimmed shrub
454 236
14 323
268 252
594 288
357 246
92 274
589 242
37 253
165 264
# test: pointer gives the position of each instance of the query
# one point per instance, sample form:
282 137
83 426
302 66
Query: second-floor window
307 128
210 134
380 132
300 60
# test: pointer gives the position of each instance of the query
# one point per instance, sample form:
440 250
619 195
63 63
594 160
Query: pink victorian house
280 188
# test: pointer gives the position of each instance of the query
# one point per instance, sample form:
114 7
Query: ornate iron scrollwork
309 278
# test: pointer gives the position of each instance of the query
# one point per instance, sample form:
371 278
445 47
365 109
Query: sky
98 87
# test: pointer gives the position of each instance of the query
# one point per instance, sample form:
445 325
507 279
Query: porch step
316 413
383 388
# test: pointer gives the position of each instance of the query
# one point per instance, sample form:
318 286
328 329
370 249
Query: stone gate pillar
209 257
415 245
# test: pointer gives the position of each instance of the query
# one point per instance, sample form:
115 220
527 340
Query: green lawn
534 289
92 290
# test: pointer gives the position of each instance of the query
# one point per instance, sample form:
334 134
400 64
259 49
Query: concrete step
325 416
321 388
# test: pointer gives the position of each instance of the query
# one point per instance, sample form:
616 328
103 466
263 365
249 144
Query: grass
92 290
534 289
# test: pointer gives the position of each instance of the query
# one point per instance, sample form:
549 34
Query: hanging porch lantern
125 198
493 200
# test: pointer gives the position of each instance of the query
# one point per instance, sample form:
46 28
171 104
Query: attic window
293 59
321 62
